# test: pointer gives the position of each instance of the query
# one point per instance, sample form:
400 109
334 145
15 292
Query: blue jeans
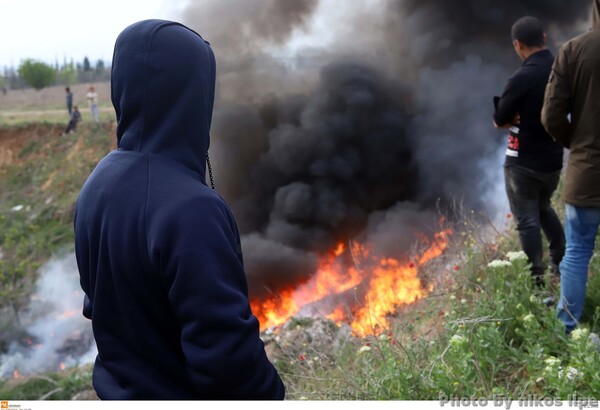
581 225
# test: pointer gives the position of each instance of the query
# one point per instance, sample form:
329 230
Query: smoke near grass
53 333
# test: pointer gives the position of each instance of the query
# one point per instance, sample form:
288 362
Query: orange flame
380 286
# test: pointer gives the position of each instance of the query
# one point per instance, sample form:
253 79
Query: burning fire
356 286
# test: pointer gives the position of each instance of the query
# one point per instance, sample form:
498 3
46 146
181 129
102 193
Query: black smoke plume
397 121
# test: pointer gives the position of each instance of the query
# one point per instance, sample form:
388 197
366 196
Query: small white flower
515 256
533 299
17 208
364 349
457 340
579 333
529 319
463 301
452 297
497 263
573 374
552 361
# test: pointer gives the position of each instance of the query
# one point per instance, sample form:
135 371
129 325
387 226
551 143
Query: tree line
38 74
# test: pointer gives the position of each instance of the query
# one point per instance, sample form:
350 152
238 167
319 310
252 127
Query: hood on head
162 89
596 14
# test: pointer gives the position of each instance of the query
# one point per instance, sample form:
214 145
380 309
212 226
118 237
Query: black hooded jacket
529 145
158 251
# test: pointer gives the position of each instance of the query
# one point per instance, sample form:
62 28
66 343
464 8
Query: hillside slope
41 172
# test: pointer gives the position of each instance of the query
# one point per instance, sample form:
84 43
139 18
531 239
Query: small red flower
441 313
509 216
302 358
456 267
411 265
367 343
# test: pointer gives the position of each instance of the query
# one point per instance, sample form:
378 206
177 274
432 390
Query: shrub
37 74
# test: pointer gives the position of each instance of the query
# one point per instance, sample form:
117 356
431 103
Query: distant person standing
92 98
533 159
75 118
69 100
574 90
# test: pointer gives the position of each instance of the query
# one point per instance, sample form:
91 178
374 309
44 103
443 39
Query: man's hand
516 121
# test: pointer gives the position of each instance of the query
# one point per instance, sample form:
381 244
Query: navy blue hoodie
158 251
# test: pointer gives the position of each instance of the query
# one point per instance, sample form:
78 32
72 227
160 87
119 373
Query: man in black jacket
158 251
533 159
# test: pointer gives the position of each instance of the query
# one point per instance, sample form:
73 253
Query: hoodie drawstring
210 174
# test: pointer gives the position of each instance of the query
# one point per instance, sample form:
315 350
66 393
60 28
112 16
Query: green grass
58 116
49 386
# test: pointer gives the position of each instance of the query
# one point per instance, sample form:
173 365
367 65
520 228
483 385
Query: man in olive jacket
571 115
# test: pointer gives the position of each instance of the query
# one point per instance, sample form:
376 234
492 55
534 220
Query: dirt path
39 113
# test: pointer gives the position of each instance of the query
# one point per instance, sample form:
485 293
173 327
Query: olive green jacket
574 90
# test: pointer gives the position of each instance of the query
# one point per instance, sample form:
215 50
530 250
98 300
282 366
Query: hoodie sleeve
508 103
557 101
208 293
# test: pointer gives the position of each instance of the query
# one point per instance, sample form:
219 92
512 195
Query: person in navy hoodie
158 251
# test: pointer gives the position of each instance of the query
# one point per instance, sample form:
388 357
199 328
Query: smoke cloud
249 25
362 135
54 332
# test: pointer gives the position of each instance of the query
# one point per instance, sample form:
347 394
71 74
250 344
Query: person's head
67 89
164 101
528 36
92 88
76 108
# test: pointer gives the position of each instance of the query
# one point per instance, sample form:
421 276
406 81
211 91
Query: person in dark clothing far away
75 118
533 160
571 114
158 251
69 99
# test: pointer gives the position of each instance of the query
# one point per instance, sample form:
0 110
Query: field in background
48 105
